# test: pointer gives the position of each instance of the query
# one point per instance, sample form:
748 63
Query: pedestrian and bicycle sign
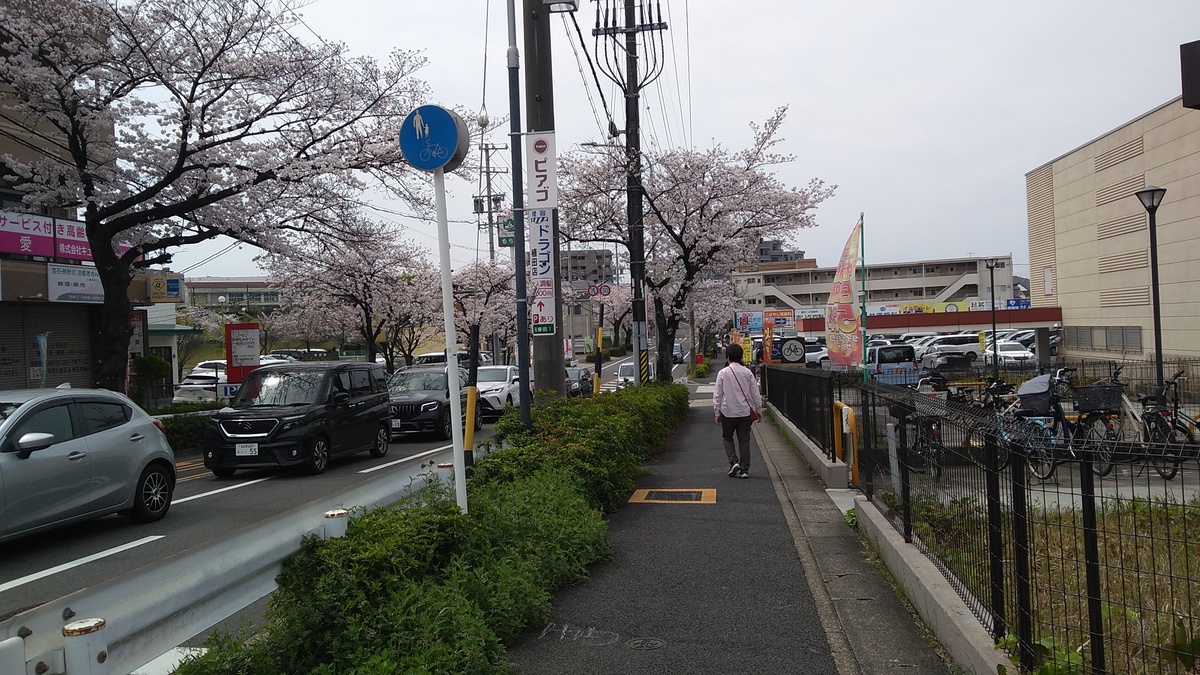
434 138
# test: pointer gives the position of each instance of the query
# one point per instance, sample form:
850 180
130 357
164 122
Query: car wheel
223 472
383 436
153 495
971 356
478 417
318 455
447 430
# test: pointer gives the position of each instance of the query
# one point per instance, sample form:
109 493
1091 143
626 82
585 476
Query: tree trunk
666 328
112 361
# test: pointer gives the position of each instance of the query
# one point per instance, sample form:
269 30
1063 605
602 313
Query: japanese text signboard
26 234
541 251
542 189
241 350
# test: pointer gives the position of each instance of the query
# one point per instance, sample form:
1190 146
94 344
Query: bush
185 432
422 587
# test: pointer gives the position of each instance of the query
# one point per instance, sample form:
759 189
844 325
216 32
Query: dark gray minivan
301 414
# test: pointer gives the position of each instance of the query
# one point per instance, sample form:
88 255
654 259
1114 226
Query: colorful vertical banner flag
843 330
43 341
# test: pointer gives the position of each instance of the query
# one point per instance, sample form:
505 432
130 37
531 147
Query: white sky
926 115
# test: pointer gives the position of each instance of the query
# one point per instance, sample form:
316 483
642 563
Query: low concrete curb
833 473
934 599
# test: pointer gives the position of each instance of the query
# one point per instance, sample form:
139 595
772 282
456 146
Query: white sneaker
734 470
743 474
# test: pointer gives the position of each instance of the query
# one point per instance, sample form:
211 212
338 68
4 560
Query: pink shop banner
26 234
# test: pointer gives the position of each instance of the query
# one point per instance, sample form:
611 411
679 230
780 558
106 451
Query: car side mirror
32 442
340 397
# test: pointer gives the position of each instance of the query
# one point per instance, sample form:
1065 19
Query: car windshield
497 375
413 380
574 372
1010 347
626 370
279 387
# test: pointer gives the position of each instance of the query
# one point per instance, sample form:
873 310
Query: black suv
301 414
420 401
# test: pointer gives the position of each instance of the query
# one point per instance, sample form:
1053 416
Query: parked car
945 359
816 355
201 383
420 401
677 353
582 379
627 373
301 414
967 343
893 364
1010 354
497 388
68 455
464 358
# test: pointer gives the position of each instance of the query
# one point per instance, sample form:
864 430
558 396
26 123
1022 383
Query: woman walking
736 404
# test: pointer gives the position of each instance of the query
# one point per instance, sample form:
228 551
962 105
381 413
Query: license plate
897 371
246 450
396 424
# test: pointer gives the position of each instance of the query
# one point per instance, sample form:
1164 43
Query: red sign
26 234
241 350
699 359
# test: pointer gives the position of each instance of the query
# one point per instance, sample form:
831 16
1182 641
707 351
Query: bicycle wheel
937 459
1102 441
1164 456
1039 450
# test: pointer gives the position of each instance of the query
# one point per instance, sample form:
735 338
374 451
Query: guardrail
129 621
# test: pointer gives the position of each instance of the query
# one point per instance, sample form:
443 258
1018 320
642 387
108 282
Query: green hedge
186 432
423 588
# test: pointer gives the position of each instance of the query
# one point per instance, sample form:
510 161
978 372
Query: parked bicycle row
1103 425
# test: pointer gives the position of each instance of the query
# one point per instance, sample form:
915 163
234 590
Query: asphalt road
43 567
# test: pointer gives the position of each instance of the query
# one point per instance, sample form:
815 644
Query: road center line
224 489
76 563
422 455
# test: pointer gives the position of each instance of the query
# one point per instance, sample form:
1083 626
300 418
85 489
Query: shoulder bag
754 414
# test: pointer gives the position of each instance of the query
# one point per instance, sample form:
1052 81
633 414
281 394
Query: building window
1077 337
1124 338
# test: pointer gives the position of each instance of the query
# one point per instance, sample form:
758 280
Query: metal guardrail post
1091 556
995 520
840 430
84 647
1020 518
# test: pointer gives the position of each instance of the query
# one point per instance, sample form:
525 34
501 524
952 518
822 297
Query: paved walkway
767 578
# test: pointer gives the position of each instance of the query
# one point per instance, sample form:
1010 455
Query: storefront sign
73 283
26 234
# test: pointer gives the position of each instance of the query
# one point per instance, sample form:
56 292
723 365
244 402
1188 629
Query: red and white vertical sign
541 171
241 350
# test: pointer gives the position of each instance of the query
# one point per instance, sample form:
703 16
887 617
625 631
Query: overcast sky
926 115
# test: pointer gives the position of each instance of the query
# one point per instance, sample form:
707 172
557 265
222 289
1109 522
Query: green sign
508 240
543 329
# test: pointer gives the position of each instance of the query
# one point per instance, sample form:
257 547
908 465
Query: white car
1009 354
627 374
816 355
497 388
201 384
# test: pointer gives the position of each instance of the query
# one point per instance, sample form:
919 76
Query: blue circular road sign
434 138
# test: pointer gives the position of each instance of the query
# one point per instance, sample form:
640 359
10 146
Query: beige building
1089 248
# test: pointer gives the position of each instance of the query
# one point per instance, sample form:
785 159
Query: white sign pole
460 464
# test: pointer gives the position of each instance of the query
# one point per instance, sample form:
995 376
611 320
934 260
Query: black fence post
1091 557
1021 542
867 456
995 535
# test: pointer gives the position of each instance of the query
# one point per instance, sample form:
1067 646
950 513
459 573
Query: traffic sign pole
460 462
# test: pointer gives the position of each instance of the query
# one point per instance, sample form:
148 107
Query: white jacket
736 393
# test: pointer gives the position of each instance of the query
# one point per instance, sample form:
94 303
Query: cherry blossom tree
485 302
411 314
364 271
165 123
210 324
715 313
706 211
618 311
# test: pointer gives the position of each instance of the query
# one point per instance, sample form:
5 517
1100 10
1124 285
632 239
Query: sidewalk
768 579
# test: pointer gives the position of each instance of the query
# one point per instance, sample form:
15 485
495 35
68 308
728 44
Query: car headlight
493 390
291 422
429 407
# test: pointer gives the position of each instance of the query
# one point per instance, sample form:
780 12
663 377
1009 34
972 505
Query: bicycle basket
1098 398
1035 395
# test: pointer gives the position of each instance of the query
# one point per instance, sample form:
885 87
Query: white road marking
706 389
76 563
423 455
224 489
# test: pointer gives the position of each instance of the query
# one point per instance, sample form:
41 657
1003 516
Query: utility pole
488 203
548 363
631 83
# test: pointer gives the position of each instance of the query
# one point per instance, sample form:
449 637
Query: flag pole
862 252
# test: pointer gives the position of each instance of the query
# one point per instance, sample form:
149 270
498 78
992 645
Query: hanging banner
542 189
747 322
843 330
541 251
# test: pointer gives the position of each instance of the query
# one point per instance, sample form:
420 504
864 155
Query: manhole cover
674 495
645 644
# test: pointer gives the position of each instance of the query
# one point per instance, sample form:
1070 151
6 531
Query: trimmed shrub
186 432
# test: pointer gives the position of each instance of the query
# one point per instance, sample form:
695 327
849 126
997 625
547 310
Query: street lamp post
1151 196
991 265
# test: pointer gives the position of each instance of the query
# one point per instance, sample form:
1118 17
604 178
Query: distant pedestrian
736 404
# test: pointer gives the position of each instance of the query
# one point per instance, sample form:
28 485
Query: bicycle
926 451
999 398
1041 406
1101 402
1166 428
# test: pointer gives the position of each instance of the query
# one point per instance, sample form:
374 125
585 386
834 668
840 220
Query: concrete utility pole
548 364
632 83
519 261
488 203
